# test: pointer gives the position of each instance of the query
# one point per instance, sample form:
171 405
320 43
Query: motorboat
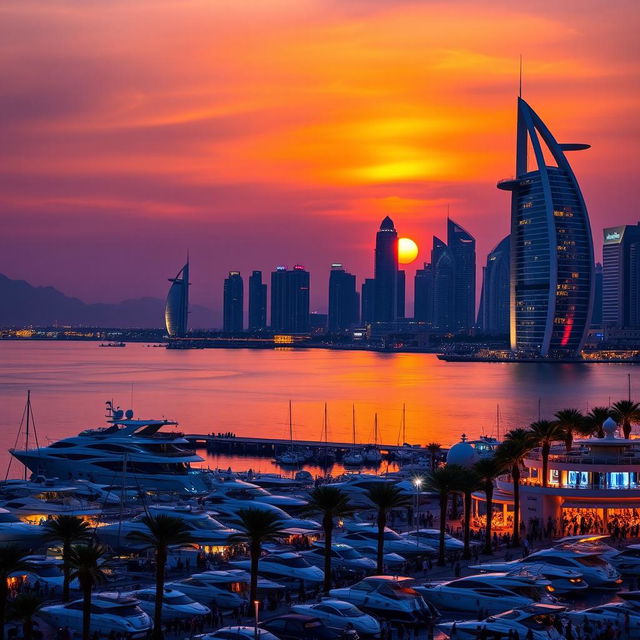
492 593
366 536
240 490
536 621
296 626
290 458
372 455
227 589
431 538
272 481
561 581
284 566
342 556
341 615
175 604
626 560
45 571
126 450
616 614
241 632
595 571
15 532
391 597
111 613
353 458
203 529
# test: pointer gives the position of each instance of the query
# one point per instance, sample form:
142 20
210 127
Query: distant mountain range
23 304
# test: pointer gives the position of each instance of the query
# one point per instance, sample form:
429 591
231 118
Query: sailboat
354 458
372 454
404 454
328 454
291 456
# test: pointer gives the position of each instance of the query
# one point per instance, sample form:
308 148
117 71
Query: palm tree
487 470
510 453
164 531
434 449
12 559
332 503
444 481
385 497
256 527
23 608
87 562
68 530
628 413
466 482
544 433
571 421
596 418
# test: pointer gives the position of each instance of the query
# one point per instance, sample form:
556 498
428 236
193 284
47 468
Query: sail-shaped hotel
552 264
176 310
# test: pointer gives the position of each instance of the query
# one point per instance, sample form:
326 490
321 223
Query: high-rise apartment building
343 299
596 316
257 302
290 299
463 249
493 314
621 276
386 273
423 295
176 309
233 303
368 301
442 263
552 264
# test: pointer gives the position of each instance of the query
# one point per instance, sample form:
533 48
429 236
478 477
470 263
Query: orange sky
258 133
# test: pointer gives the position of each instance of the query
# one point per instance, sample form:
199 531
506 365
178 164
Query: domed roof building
462 453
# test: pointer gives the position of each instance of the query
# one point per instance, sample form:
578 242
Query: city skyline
124 150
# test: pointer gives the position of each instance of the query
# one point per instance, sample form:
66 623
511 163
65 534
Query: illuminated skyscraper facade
176 309
552 264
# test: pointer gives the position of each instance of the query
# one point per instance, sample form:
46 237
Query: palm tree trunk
626 428
382 522
327 525
161 563
27 628
467 524
488 492
86 609
4 594
444 499
515 474
545 463
255 558
66 569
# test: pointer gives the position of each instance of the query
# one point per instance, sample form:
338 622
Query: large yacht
127 449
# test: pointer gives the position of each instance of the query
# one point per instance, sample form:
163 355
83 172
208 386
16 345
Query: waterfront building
493 313
290 299
462 246
257 302
621 276
423 294
552 263
343 299
368 299
386 273
443 284
176 309
233 303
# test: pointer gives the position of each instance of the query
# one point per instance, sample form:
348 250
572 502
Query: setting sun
407 250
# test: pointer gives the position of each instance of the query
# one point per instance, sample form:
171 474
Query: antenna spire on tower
520 85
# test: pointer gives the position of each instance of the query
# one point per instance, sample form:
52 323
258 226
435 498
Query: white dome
462 454
609 427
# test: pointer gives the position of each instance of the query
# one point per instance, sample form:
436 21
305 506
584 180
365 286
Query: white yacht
342 555
175 604
625 560
535 621
431 538
287 565
366 536
137 451
241 490
618 614
14 531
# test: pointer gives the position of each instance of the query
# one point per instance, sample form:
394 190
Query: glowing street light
417 483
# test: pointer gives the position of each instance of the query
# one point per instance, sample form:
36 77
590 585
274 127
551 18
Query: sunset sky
265 132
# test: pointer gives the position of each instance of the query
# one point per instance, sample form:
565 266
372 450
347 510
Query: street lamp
256 607
417 483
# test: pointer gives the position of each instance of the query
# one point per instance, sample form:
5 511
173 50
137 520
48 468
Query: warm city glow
407 250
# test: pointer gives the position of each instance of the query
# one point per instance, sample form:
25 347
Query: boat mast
353 424
290 425
498 421
375 429
26 439
404 423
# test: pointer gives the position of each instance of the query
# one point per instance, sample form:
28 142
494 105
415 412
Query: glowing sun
407 250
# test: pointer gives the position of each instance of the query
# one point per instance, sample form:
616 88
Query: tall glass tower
176 309
386 273
552 264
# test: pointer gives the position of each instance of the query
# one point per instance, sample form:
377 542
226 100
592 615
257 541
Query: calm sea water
247 391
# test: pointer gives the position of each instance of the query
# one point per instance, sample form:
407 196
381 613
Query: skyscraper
552 265
290 299
343 299
401 294
493 314
462 246
233 303
176 309
442 263
386 273
596 316
257 302
368 299
423 295
621 276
